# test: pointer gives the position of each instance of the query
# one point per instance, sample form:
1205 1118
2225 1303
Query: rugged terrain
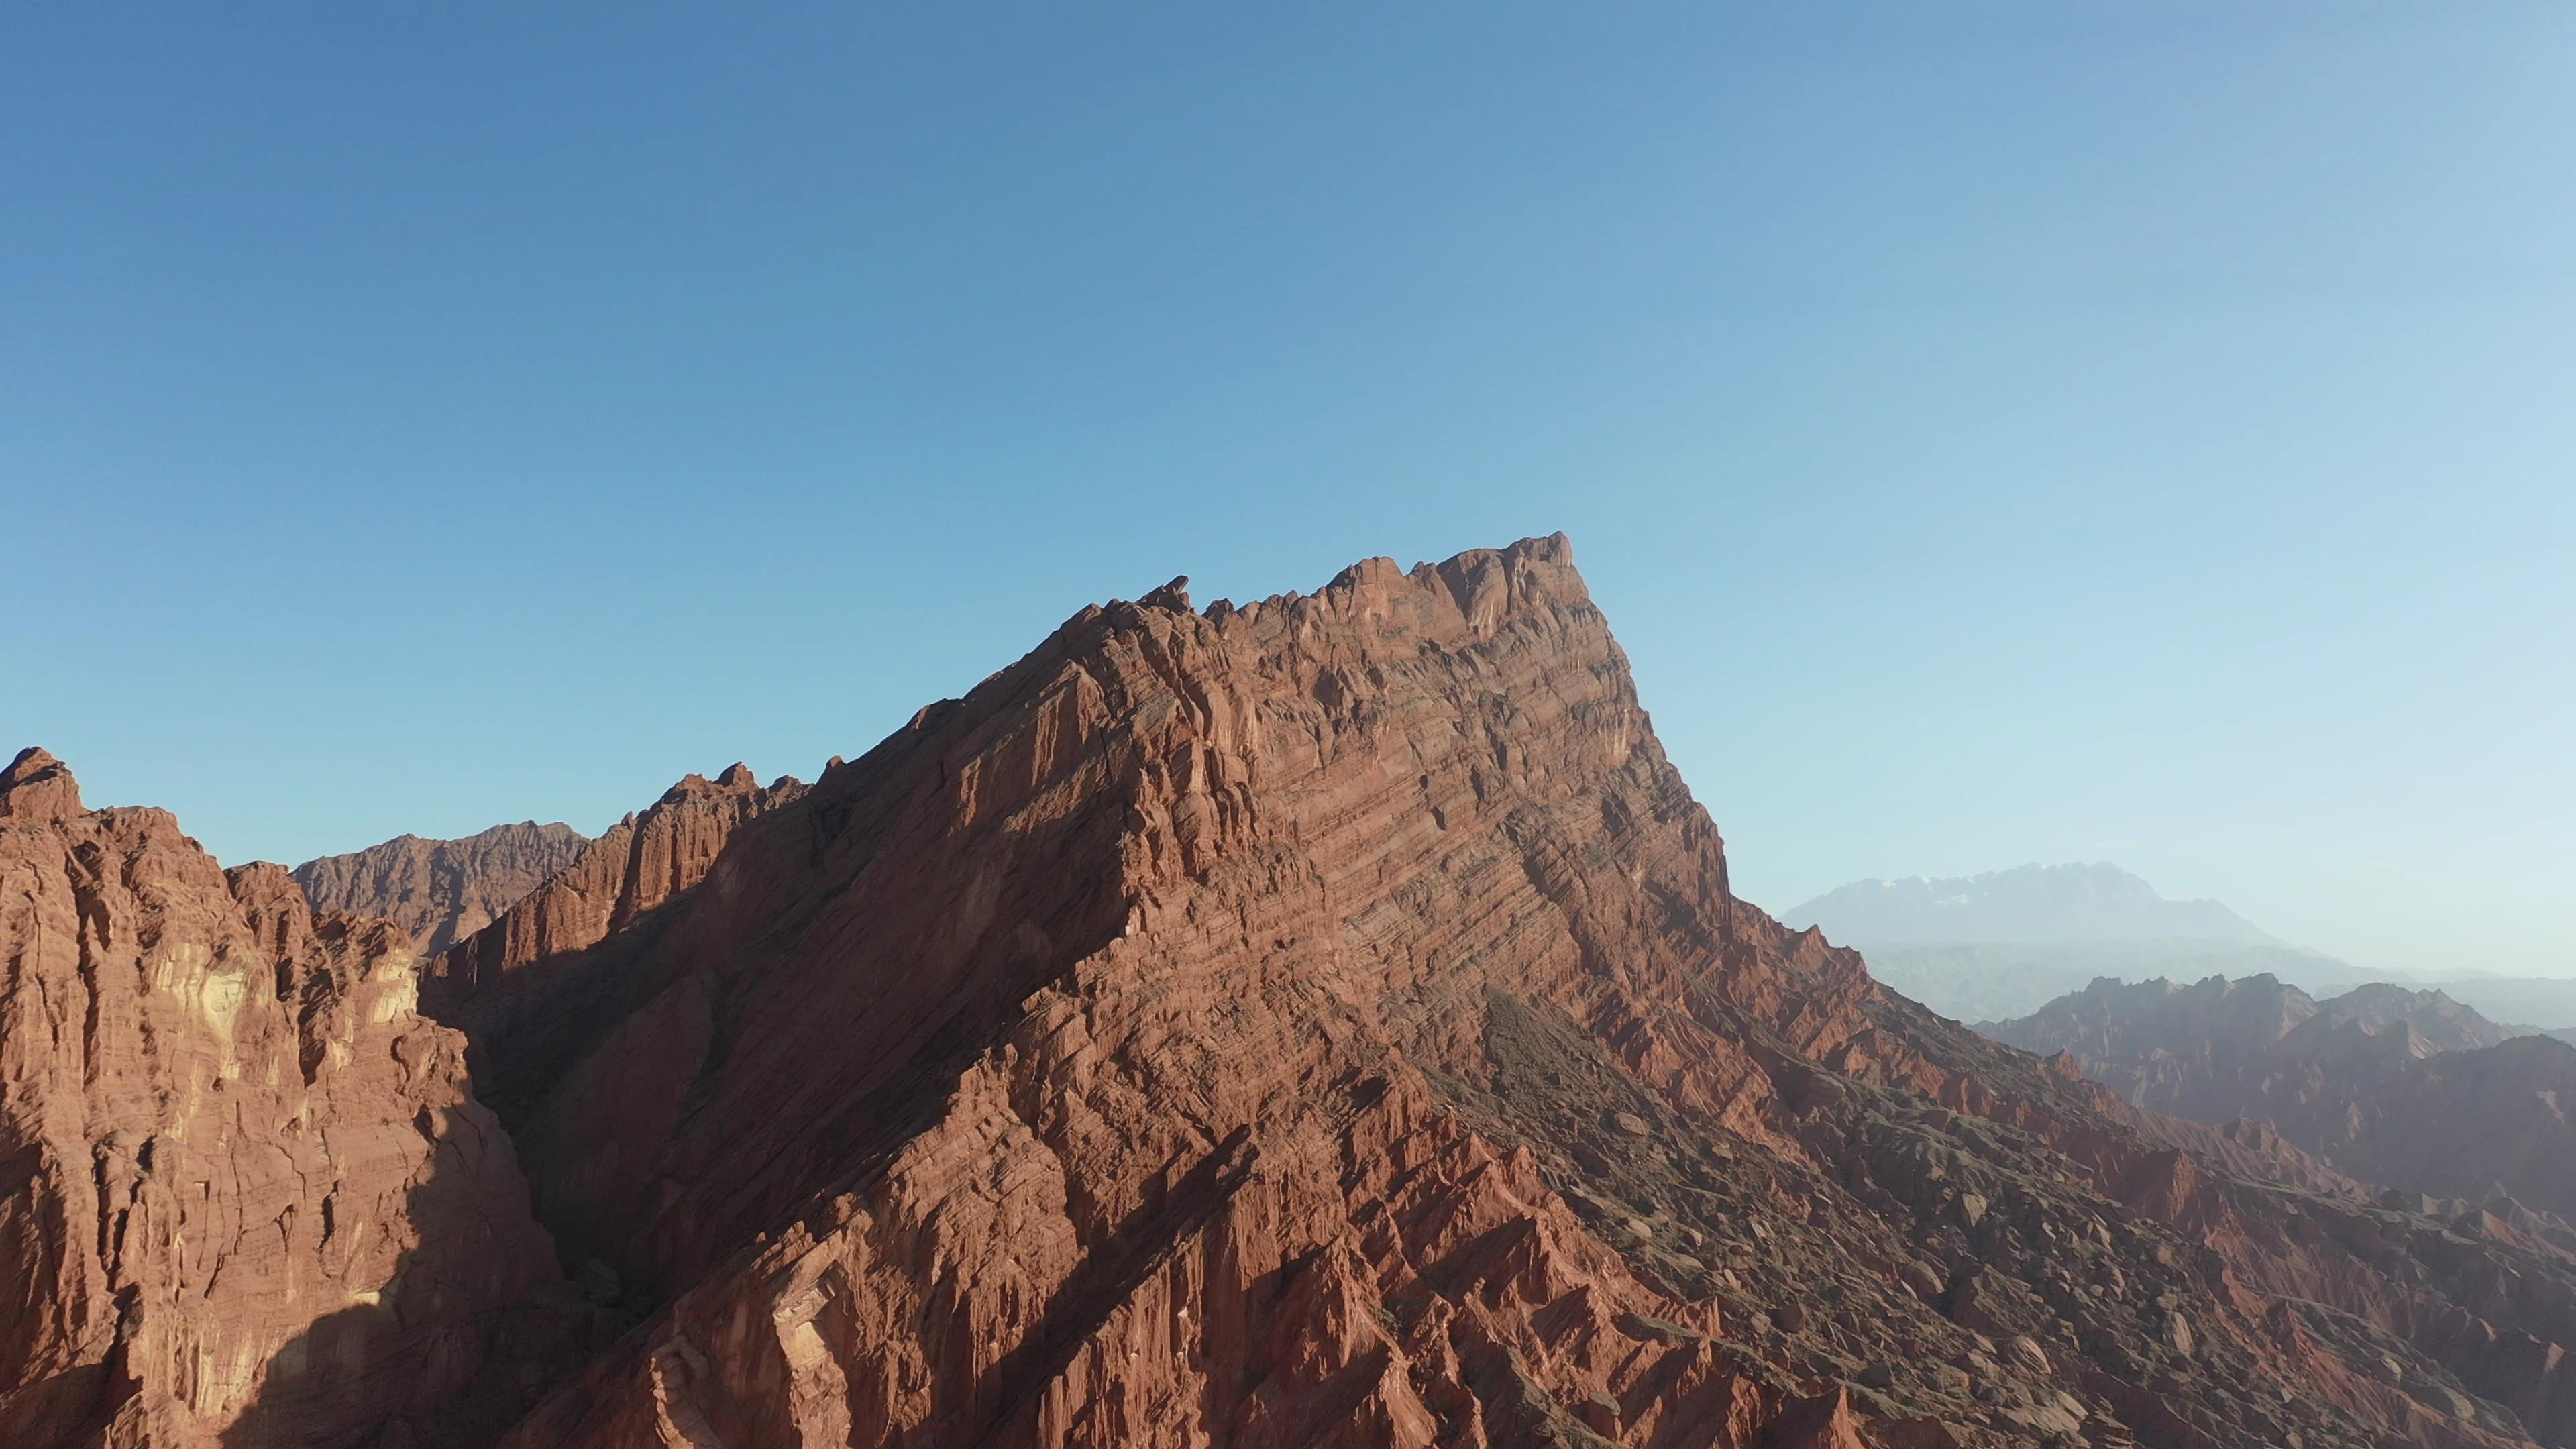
246 1195
441 891
1324 1021
2404 1088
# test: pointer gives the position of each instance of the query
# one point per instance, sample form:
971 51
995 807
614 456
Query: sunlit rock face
1327 1022
246 1196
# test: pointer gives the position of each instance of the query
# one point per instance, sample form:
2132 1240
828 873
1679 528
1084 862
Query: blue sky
1998 432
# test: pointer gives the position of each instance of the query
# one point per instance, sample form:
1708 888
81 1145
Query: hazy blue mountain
2003 944
1996 981
2546 1002
2030 903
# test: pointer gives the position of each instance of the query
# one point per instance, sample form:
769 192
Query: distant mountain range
441 891
2005 943
2031 903
2411 1089
1973 981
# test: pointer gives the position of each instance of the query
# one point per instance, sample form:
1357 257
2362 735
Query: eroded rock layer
1324 1022
2406 1089
1327 1022
246 1197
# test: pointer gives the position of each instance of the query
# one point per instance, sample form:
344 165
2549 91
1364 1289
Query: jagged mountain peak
442 891
36 786
1324 1022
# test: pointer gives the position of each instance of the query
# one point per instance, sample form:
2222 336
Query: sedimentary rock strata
1327 1022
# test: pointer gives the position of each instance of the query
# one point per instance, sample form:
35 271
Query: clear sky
1998 431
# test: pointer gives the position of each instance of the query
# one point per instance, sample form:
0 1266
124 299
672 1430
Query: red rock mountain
1327 1022
441 891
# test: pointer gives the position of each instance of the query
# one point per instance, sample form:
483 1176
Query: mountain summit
1319 1022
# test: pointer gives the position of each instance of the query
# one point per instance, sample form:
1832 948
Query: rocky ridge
1327 1021
2398 1088
247 1196
441 891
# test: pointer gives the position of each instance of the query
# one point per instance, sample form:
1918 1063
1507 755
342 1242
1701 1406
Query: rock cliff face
2407 1089
246 1196
441 891
1326 1022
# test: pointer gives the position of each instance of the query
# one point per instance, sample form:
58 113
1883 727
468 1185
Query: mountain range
441 891
2406 1088
2004 944
2028 904
1325 1021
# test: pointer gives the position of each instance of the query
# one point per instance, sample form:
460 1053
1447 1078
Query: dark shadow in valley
409 1369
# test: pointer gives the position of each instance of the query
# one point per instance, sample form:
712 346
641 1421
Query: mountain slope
2205 1050
441 891
2548 1003
1327 1022
1324 1022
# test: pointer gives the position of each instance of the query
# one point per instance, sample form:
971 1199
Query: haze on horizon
2131 432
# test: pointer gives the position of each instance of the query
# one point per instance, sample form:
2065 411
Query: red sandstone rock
245 1195
37 788
441 891
1326 1022
1238 1028
613 882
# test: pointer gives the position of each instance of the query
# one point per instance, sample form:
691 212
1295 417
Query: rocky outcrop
611 897
441 891
246 1196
